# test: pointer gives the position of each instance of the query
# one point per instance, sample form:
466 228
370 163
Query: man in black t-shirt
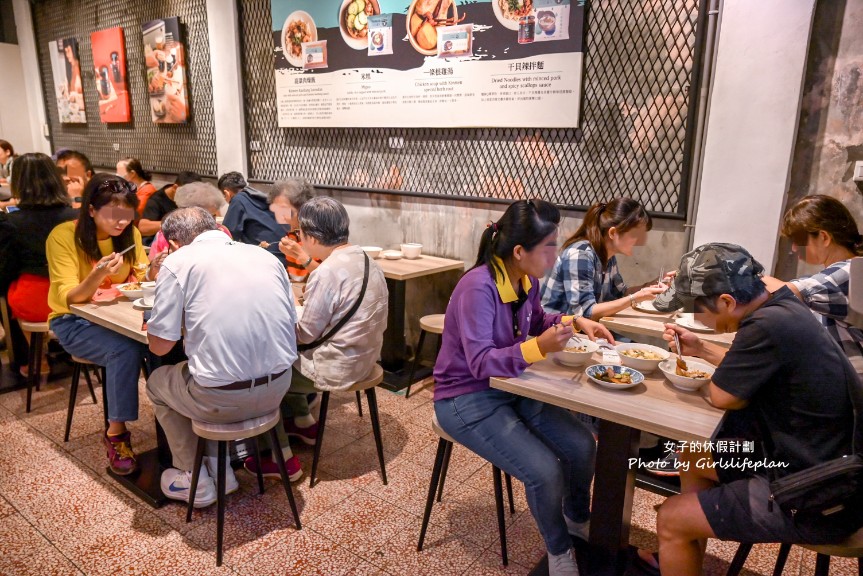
160 204
783 377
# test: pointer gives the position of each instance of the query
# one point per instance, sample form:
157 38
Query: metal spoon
681 364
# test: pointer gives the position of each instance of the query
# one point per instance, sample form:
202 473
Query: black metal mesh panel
632 141
164 148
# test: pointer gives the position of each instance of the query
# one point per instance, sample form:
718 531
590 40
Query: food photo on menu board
430 63
165 58
109 75
68 85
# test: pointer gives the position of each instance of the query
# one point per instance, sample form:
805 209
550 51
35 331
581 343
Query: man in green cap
784 382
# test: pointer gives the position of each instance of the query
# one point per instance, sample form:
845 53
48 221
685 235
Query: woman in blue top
585 280
493 311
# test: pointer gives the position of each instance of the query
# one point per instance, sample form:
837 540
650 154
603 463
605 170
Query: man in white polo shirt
234 301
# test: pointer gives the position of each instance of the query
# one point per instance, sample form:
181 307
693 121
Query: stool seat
236 430
851 547
440 431
432 323
40 327
375 378
82 361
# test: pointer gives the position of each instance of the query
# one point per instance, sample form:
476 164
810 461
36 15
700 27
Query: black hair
75 155
525 223
184 178
232 181
36 181
742 294
134 165
102 190
623 214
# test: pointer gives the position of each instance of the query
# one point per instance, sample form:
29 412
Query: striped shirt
578 281
826 293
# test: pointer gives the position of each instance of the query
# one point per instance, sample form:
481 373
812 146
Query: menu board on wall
436 63
68 88
109 63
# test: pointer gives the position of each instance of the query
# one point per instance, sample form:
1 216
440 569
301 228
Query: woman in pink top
198 194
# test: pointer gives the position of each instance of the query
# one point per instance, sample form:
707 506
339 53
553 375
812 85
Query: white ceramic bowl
576 358
669 366
391 254
131 293
641 364
372 251
594 371
411 251
148 293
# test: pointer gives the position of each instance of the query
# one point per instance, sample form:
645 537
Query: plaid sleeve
617 286
579 281
827 291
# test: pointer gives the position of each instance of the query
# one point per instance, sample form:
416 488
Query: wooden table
654 406
121 317
397 273
633 321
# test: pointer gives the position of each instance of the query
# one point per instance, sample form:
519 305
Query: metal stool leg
257 456
220 499
89 382
417 355
322 422
444 470
283 472
739 559
822 565
781 558
73 394
376 429
435 477
196 473
359 404
34 364
498 503
508 479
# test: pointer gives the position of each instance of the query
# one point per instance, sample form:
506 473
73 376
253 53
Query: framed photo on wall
68 85
165 60
109 63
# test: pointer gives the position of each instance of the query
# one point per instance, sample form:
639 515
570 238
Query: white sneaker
562 564
176 485
578 529
231 484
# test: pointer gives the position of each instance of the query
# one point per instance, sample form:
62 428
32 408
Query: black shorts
739 510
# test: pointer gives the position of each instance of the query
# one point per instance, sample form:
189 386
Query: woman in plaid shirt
585 280
823 232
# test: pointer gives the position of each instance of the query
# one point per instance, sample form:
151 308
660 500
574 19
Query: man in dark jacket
249 217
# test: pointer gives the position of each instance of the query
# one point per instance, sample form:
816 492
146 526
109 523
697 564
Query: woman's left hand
593 330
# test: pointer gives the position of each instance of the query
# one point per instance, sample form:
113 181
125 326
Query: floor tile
490 564
24 551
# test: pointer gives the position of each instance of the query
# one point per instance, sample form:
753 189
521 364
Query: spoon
681 364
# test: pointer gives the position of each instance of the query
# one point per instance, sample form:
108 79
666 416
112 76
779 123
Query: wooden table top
632 321
119 316
405 269
654 406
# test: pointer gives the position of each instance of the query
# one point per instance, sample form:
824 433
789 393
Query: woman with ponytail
823 232
585 279
492 312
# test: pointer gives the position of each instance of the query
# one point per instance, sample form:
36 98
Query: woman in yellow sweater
83 258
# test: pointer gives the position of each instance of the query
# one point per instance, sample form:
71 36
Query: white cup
411 251
149 289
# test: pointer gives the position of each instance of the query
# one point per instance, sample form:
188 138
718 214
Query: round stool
432 323
222 434
441 464
368 384
81 365
37 330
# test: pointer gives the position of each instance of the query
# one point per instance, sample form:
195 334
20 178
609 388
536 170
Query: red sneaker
121 459
271 469
307 435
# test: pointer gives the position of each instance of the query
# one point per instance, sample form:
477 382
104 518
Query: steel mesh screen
163 148
633 140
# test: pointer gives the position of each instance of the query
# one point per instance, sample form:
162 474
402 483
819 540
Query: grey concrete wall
830 137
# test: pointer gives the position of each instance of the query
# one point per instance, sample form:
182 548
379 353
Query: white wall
32 81
751 127
15 126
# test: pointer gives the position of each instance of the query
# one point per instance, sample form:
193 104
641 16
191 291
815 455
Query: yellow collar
504 286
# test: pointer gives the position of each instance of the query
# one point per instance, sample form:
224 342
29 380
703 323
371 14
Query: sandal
641 567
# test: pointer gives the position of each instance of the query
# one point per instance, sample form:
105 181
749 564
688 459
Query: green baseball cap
709 270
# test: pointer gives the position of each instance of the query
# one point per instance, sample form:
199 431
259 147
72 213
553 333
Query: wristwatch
307 262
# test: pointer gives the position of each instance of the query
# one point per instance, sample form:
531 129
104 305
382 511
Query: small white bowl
641 364
133 293
669 367
372 251
392 254
411 251
576 358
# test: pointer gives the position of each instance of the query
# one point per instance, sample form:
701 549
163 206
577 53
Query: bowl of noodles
576 353
131 290
643 357
697 373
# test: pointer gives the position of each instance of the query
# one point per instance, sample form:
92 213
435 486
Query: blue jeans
542 445
121 357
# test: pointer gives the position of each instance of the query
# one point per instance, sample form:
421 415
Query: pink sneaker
121 459
307 435
271 469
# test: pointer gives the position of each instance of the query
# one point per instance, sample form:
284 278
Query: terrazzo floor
61 514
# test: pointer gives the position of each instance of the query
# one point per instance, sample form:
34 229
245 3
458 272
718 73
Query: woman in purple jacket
493 310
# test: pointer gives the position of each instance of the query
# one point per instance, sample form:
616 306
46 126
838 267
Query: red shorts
28 298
